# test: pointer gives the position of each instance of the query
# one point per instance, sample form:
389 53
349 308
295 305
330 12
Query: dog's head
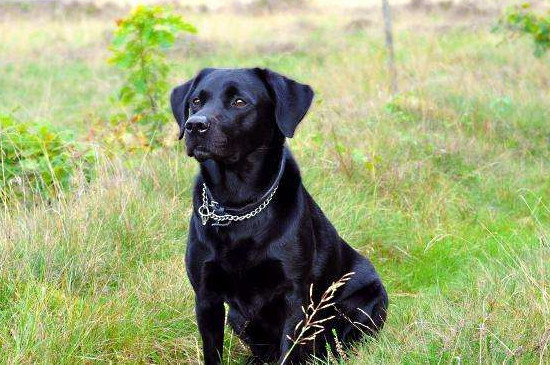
225 114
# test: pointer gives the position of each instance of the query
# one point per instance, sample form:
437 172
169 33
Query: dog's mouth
201 153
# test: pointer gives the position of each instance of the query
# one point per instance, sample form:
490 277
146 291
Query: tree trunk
389 46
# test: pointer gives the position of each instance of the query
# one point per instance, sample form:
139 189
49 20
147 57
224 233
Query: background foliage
37 158
139 47
444 186
525 21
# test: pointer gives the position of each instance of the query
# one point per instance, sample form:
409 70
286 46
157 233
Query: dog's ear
292 100
179 99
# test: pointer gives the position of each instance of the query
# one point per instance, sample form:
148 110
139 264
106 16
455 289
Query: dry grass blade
310 327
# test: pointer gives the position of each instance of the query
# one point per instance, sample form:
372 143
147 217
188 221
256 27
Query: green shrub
138 48
35 158
522 20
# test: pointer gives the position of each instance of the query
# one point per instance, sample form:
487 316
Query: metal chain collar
208 210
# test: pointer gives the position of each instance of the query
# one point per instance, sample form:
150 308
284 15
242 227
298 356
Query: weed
39 159
139 48
524 21
308 328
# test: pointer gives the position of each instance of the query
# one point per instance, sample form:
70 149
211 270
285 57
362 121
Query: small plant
339 346
523 20
39 159
138 48
307 329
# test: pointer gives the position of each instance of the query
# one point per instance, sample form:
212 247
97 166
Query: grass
445 187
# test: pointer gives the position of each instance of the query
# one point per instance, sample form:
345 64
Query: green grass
445 187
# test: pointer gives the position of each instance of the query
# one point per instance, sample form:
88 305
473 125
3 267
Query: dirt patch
456 8
358 25
420 5
468 8
305 26
276 48
264 7
55 9
192 46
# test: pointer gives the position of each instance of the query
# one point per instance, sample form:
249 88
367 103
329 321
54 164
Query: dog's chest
246 285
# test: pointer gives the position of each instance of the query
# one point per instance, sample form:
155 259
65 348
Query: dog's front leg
210 317
291 350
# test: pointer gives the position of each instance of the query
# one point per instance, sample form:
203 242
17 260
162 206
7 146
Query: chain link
207 211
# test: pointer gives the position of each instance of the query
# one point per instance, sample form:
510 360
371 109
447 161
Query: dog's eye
239 103
196 102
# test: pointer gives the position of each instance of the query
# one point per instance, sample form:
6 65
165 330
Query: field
444 186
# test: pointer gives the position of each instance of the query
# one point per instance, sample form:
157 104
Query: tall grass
444 187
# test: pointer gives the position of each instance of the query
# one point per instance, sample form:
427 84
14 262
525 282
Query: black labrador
257 239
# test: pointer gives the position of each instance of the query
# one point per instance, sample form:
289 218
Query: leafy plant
524 21
138 48
38 158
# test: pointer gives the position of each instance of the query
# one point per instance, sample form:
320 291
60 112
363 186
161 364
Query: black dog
257 240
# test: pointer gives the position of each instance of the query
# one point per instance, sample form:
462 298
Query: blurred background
433 162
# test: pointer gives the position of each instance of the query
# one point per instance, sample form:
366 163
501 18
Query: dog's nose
197 124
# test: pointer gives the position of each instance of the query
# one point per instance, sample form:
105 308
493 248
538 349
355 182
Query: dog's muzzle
197 124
